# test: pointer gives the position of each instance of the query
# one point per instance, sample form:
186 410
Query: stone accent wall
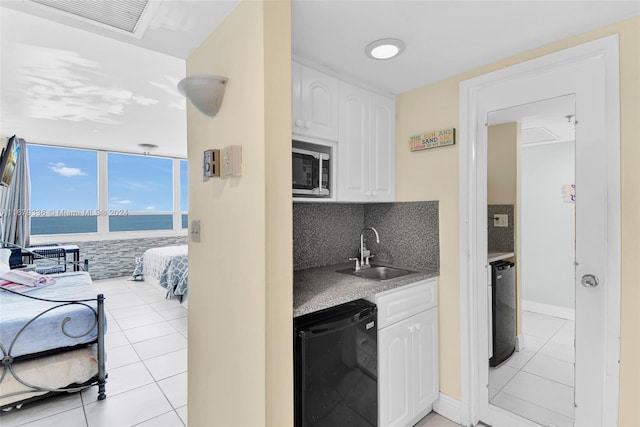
116 258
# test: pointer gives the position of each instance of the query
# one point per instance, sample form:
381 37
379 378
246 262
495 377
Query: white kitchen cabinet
315 103
395 367
407 353
366 146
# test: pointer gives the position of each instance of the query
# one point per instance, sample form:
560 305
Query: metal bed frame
8 360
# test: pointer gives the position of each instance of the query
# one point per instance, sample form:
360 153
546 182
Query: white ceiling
69 82
173 27
542 122
443 38
73 83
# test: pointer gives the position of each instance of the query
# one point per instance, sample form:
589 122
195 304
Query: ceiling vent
122 15
537 135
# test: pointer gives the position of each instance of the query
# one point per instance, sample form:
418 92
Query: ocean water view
41 225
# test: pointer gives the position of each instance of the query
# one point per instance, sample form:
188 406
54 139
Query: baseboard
520 342
549 310
448 407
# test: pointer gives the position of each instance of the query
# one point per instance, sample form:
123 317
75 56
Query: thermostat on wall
210 164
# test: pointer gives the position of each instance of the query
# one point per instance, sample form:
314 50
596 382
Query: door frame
602 54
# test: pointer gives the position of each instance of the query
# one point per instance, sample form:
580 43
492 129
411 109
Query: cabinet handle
298 123
411 328
374 194
417 326
307 124
368 193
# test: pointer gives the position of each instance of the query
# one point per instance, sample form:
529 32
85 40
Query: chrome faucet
365 254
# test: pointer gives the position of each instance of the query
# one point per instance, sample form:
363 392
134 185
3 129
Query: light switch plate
231 161
500 220
194 230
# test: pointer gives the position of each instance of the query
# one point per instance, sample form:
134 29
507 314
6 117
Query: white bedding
50 330
59 370
168 265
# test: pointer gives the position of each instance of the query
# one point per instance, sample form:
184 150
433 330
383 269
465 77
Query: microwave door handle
320 178
320 174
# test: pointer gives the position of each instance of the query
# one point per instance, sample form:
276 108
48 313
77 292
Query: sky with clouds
67 179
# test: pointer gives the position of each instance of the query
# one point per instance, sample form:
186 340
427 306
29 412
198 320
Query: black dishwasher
335 366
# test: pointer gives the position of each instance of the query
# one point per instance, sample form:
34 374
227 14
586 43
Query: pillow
4 260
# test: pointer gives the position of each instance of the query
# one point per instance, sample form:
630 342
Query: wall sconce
204 92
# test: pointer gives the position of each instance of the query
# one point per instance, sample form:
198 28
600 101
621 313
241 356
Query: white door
353 146
425 359
319 108
395 385
382 149
588 72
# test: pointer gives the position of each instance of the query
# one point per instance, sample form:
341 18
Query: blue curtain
15 202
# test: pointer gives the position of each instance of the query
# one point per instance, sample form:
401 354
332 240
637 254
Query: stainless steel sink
377 272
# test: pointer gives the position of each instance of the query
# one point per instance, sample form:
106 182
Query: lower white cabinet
407 354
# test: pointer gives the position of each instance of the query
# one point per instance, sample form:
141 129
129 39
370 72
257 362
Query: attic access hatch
124 16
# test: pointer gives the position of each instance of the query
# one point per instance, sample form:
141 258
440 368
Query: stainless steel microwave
311 173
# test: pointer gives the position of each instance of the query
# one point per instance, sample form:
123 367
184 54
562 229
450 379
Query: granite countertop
322 287
497 256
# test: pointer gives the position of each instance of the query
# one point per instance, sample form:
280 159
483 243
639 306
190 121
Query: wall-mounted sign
569 193
437 138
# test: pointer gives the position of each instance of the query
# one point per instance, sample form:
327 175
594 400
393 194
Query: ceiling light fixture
147 148
384 48
204 92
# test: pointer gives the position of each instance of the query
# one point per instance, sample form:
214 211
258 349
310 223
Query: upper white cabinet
314 103
366 146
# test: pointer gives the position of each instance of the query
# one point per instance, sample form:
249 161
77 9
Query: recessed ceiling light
384 48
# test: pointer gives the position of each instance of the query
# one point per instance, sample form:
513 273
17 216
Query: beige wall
279 215
240 278
502 163
503 182
433 175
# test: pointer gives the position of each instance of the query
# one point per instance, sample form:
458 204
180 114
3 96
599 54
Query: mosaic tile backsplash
329 233
501 239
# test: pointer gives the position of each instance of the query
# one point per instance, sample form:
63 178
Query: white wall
547 225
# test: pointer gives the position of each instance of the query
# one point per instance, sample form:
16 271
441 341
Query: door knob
589 281
298 123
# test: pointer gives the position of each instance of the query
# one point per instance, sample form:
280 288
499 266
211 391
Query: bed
168 266
51 340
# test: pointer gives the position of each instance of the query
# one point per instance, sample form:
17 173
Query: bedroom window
184 199
64 190
77 191
140 192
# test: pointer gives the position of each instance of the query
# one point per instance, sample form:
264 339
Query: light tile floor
537 383
146 343
435 420
147 364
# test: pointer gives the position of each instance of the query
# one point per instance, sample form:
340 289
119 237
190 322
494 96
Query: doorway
590 71
531 177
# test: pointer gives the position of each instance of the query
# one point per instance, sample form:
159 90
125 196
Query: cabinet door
296 98
319 106
382 150
353 145
394 374
425 362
